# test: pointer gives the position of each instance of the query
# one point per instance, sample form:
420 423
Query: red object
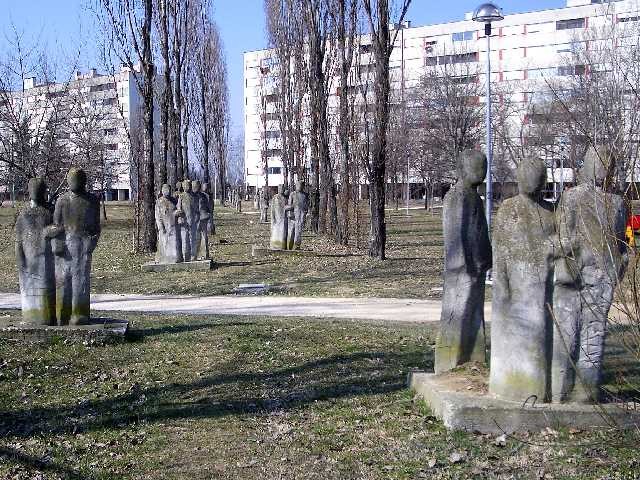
634 222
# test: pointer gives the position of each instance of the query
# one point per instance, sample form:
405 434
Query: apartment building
526 49
107 104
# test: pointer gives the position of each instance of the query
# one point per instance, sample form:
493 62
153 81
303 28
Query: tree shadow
42 464
140 334
223 394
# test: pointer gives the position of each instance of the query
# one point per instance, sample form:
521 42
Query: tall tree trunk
148 225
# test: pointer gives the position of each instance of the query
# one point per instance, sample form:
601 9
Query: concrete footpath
377 309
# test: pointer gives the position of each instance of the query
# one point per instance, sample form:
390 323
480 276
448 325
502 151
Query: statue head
205 187
166 190
280 189
473 167
37 190
77 180
532 176
178 187
186 186
195 186
598 167
299 186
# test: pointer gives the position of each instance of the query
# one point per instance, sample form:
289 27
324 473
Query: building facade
93 116
527 49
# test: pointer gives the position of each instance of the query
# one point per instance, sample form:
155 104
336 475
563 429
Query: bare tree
377 13
128 28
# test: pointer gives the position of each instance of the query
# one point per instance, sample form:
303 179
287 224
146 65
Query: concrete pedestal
463 403
96 331
178 267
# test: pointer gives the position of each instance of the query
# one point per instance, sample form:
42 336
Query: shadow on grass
42 464
138 335
219 395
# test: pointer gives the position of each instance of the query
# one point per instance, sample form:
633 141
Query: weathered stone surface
264 207
279 221
95 331
299 203
591 261
77 219
197 265
467 260
450 400
189 220
35 259
204 217
169 236
521 329
212 222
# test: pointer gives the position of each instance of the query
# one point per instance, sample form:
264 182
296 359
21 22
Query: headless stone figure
279 220
264 207
77 216
35 259
189 219
521 328
467 260
204 216
592 259
169 244
212 224
299 201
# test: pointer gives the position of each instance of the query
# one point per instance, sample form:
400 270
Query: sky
66 26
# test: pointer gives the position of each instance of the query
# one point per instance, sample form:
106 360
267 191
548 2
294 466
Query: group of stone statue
183 222
554 274
288 214
53 253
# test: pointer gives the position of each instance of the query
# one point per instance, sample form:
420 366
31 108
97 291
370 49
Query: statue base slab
257 251
462 402
98 331
197 265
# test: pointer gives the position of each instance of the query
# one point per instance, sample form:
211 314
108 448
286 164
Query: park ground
413 268
261 398
235 397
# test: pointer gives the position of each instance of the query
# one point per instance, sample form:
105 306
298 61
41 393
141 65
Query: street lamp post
488 13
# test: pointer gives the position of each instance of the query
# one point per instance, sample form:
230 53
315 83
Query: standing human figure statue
592 260
264 207
204 215
189 215
178 190
521 326
279 220
77 217
35 259
169 236
299 201
212 223
467 260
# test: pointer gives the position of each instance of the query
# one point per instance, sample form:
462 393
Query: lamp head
487 13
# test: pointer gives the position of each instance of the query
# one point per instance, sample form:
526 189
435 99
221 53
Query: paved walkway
380 309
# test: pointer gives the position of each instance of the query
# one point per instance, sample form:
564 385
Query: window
462 36
366 48
275 170
465 79
449 59
103 87
112 146
110 131
109 101
541 72
271 98
568 70
274 152
628 19
570 24
272 134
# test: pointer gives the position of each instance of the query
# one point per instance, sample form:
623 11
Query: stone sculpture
204 216
521 328
189 220
299 201
467 260
35 259
264 207
178 190
279 220
169 235
592 259
212 224
77 220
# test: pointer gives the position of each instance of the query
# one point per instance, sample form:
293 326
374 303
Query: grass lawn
413 268
259 398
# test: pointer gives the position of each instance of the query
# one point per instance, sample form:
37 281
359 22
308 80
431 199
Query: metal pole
489 190
404 109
